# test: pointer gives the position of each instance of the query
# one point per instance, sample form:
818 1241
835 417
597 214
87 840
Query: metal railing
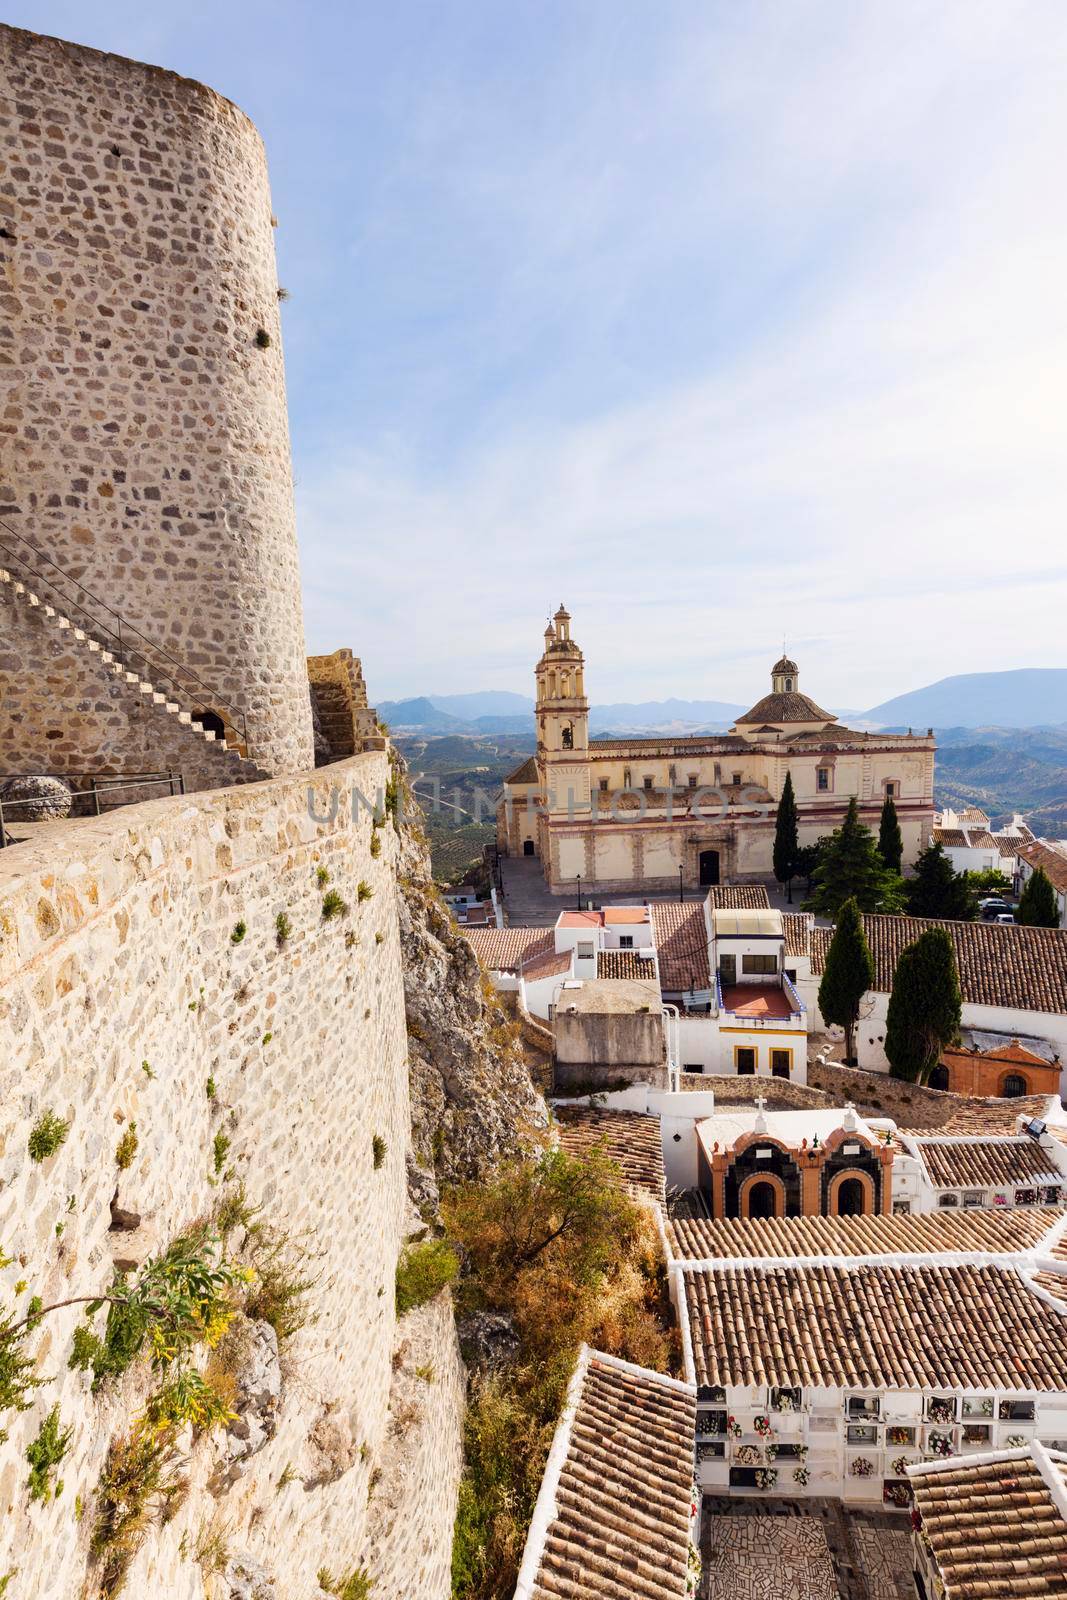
121 636
90 793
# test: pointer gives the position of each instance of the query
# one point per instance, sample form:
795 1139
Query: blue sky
720 322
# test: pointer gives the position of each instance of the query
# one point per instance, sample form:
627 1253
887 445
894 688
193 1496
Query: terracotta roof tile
974 815
994 1527
630 1137
526 772
622 1501
682 945
990 1164
623 964
1022 968
951 838
546 964
1037 855
797 926
786 707
874 1327
699 1239
502 949
989 1116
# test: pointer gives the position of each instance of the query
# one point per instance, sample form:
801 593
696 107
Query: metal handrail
99 785
185 676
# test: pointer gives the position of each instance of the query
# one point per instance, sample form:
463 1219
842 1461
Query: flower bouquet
1015 1441
734 1427
766 1478
900 1465
900 1436
782 1402
941 1411
748 1455
939 1444
861 1467
801 1475
897 1494
762 1426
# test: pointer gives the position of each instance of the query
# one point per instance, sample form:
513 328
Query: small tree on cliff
890 842
850 868
848 974
924 1006
937 890
1037 903
786 839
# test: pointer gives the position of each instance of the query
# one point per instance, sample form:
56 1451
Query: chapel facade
653 815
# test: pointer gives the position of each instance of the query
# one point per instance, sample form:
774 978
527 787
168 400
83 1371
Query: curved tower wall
144 441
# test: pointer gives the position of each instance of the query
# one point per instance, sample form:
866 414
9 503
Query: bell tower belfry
562 714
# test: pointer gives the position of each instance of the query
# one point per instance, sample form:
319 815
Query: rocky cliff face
472 1099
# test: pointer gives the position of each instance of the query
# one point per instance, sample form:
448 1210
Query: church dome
786 707
783 664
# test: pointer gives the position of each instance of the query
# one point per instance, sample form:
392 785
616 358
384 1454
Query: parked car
997 901
1001 916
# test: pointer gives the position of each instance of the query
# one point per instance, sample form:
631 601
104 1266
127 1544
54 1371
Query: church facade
651 815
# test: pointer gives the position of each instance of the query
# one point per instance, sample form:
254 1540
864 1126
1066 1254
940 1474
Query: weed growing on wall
379 1149
46 1136
283 928
220 1149
333 905
239 931
126 1148
322 876
44 1456
142 1484
357 1585
422 1271
363 891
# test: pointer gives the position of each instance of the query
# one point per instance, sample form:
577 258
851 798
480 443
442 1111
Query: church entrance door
709 868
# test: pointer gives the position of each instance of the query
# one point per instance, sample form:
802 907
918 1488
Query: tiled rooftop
546 964
1052 862
874 1327
629 1137
623 1496
797 926
996 1528
682 945
622 964
502 949
777 1238
992 1163
992 1116
1021 968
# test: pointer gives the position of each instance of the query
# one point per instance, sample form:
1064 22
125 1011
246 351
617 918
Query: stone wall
779 1093
142 392
909 1104
125 989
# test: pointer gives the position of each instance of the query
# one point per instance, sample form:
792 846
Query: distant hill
418 713
1028 698
483 703
661 716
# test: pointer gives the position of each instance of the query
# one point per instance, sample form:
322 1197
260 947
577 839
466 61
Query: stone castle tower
143 418
562 715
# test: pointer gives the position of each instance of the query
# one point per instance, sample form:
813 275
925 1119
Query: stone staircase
237 766
335 719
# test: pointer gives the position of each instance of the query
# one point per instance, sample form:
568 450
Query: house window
693 1066
781 1061
891 790
691 779
626 941
759 964
735 777
586 950
647 782
744 1060
822 779
603 785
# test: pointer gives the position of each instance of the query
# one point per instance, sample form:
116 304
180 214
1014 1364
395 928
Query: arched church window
789 686
568 736
1014 1086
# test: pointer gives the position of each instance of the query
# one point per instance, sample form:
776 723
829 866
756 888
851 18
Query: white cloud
869 459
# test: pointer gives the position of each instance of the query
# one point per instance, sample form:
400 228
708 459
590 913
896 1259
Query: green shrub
126 1148
375 844
333 905
423 1271
262 339
283 928
379 938
220 1150
209 1089
46 1136
379 1149
282 1283
239 931
363 891
322 876
45 1454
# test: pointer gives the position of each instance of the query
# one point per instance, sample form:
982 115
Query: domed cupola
784 676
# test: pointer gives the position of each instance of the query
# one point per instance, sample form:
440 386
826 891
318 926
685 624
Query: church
660 815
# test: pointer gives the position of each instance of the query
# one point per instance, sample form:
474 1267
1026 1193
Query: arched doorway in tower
762 1200
211 722
851 1198
709 868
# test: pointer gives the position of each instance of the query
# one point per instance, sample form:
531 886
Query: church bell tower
562 713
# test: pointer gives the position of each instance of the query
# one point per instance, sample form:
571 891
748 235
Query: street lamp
681 890
578 880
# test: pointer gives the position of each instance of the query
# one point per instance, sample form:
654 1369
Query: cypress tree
786 839
848 974
890 842
924 1006
1037 903
937 890
850 868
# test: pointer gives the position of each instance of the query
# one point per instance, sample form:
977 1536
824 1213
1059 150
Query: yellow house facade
652 814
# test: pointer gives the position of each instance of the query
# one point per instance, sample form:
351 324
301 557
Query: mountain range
1027 698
